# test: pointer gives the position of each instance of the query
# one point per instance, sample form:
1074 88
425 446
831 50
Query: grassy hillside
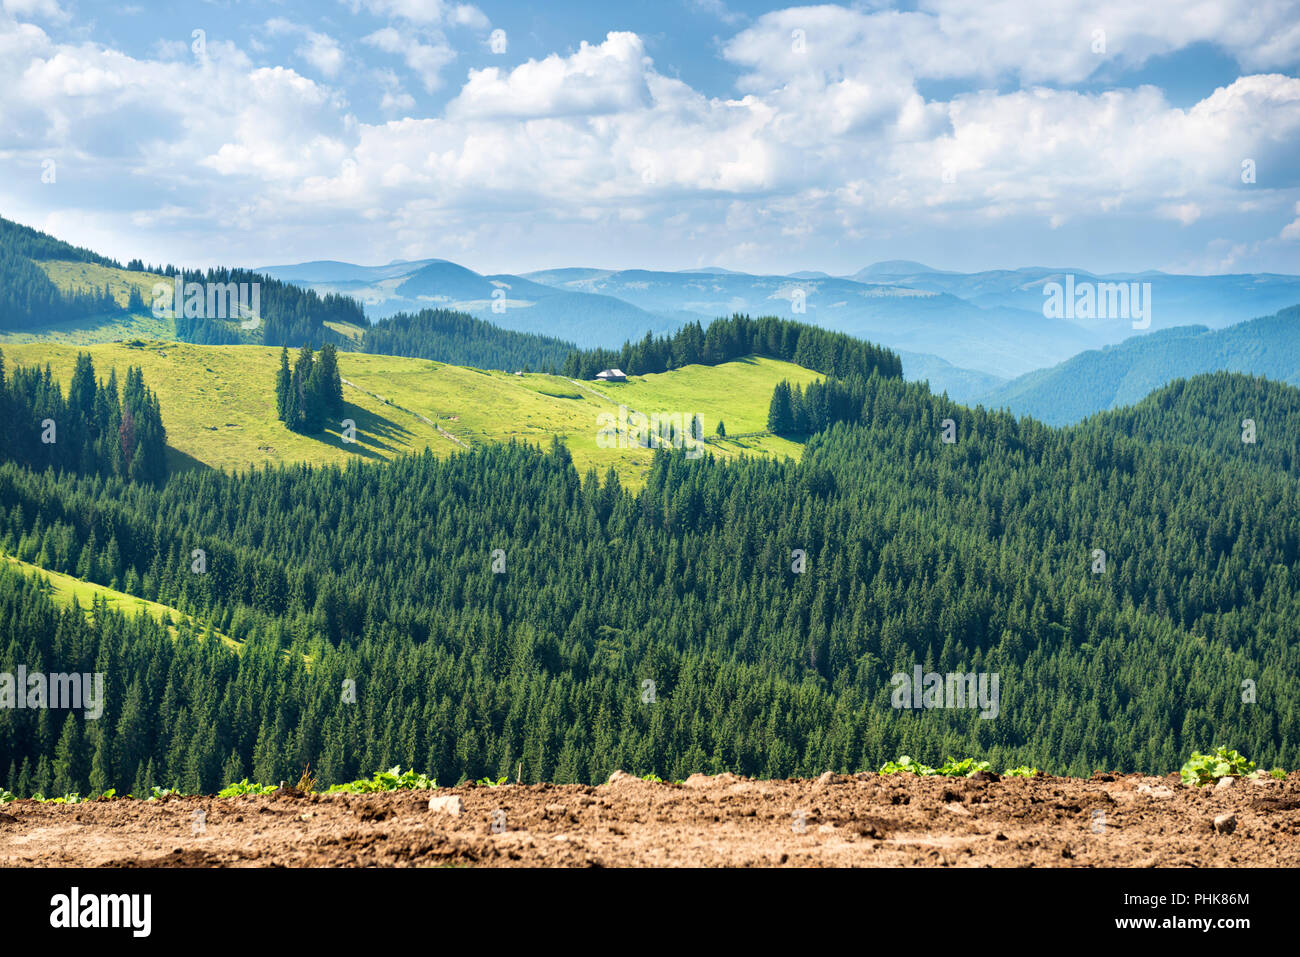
64 590
218 405
79 276
75 276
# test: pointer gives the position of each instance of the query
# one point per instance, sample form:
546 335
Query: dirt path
423 418
897 820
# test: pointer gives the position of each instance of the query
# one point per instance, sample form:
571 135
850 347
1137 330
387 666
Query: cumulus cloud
828 136
320 50
424 11
425 59
323 52
596 80
1292 229
45 9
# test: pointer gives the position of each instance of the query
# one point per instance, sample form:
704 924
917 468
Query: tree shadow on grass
377 437
178 461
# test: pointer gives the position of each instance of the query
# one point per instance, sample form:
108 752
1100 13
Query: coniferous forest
29 299
831 353
466 615
311 393
94 430
457 337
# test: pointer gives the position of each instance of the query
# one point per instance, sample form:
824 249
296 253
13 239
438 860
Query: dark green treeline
972 556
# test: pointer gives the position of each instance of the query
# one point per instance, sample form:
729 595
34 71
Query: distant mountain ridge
1124 374
511 302
978 328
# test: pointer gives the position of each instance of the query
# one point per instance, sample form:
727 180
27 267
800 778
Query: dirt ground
834 821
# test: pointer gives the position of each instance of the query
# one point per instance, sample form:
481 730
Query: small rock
448 805
622 777
1159 792
1225 823
825 779
957 809
704 780
1225 783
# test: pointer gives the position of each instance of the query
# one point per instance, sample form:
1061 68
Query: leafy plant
1204 769
243 787
7 796
963 769
1024 771
108 795
157 794
394 779
905 763
307 782
653 778
1279 773
489 783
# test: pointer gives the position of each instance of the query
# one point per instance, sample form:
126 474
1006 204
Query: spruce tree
282 380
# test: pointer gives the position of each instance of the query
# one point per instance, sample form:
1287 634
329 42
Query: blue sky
508 136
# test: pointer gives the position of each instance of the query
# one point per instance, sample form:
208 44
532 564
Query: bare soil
834 821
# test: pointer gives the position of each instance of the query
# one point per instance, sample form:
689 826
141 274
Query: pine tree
282 380
70 764
780 417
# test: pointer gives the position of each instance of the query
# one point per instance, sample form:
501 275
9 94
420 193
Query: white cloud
718 9
47 9
1292 229
425 11
1033 41
827 143
606 78
320 50
425 59
323 52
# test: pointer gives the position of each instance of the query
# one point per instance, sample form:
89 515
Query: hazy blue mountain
962 385
510 302
891 268
331 271
998 341
1120 375
1176 300
974 328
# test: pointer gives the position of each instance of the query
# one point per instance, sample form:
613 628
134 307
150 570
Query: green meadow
64 590
218 405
